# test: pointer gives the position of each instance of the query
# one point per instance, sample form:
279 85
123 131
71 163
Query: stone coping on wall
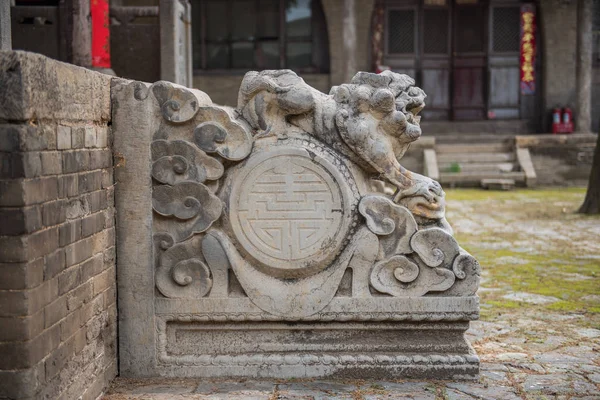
549 139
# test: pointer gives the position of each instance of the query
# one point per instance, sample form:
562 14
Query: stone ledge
550 140
340 309
38 88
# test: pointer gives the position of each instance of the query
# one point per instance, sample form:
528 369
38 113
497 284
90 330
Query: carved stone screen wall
283 238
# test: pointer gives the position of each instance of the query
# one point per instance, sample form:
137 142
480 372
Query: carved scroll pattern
186 179
416 261
182 272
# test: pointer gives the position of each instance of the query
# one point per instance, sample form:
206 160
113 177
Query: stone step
481 167
498 184
498 157
499 147
477 177
473 139
485 127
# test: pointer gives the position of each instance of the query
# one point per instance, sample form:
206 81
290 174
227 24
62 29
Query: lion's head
390 98
377 117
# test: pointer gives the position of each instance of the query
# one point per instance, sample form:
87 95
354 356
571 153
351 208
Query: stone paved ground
539 333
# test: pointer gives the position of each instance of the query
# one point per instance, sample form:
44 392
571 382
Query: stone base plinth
370 350
374 338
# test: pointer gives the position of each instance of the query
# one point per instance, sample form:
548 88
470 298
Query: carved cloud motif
176 103
182 273
401 277
394 223
192 204
177 161
221 135
416 262
468 271
435 246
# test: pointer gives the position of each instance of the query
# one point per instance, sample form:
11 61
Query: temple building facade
488 66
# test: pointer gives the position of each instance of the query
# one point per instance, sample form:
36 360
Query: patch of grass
544 265
507 304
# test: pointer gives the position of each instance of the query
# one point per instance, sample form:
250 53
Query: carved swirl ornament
276 197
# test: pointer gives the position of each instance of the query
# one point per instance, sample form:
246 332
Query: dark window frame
386 38
282 39
491 33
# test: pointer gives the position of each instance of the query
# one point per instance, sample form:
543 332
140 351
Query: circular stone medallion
289 211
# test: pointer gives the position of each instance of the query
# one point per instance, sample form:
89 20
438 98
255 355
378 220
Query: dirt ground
539 333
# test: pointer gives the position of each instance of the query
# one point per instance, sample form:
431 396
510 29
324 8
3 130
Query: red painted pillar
100 34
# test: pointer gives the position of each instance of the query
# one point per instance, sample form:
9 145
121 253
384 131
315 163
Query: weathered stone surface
182 272
394 223
261 226
34 85
482 392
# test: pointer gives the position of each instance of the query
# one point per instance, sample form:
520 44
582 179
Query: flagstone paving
539 333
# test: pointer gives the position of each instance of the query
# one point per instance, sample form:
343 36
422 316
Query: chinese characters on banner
527 49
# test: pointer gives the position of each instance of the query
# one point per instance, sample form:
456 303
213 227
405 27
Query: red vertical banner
528 31
100 33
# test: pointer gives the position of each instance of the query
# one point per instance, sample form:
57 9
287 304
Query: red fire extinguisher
567 116
567 120
556 118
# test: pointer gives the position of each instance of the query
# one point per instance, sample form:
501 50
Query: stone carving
399 276
468 271
294 207
372 120
222 135
182 272
177 161
288 298
176 103
287 206
435 247
393 223
192 204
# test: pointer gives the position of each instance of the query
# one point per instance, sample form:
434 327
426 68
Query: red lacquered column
100 34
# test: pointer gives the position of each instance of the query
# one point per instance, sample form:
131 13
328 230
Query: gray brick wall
57 235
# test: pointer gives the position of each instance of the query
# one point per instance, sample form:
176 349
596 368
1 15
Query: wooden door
504 81
469 60
435 45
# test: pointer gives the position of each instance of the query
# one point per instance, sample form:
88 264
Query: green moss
506 304
548 268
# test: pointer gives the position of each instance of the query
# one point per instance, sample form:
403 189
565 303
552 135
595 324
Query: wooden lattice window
401 31
259 34
506 29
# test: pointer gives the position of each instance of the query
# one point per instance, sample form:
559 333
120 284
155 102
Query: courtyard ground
539 333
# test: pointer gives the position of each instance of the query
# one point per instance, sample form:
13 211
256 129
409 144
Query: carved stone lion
372 120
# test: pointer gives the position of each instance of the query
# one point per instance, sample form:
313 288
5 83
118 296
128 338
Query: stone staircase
479 161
